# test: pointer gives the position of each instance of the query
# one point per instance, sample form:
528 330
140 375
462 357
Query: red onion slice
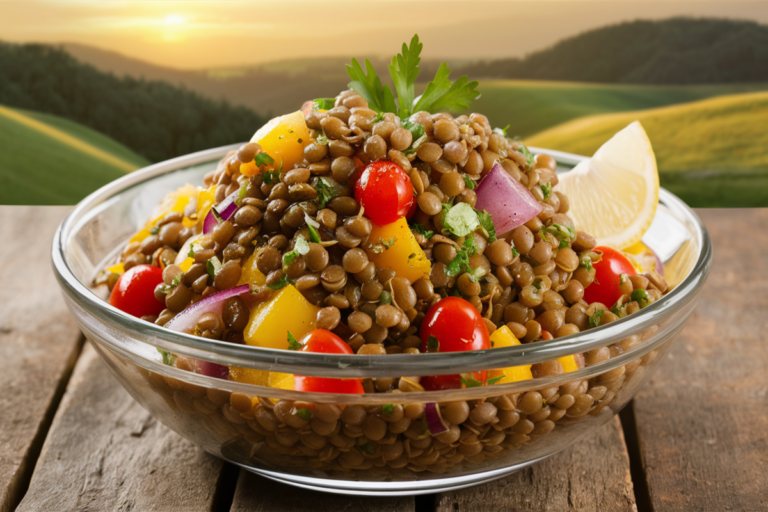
506 199
186 320
215 370
435 422
226 209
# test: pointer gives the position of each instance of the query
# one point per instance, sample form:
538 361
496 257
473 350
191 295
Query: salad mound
365 224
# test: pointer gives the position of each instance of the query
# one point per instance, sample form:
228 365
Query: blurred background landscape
92 90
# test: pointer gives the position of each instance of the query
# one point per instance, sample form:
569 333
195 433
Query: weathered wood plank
258 494
39 342
592 475
702 419
105 452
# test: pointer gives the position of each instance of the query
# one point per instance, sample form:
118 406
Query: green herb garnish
388 409
154 230
213 265
293 343
304 414
368 447
323 103
241 193
433 344
324 192
271 177
387 243
546 189
460 263
502 131
468 182
263 159
418 228
323 140
418 135
281 283
440 94
486 224
300 248
527 154
470 382
561 233
596 319
314 236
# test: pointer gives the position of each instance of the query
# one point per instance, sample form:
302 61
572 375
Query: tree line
155 119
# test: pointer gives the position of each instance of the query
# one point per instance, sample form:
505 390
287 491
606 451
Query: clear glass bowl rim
356 366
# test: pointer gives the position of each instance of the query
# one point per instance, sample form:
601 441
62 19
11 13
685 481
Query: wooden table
695 437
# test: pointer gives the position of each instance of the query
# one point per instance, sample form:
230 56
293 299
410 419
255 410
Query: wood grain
591 475
105 452
39 342
702 419
258 494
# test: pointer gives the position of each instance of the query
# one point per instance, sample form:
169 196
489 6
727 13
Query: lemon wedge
614 194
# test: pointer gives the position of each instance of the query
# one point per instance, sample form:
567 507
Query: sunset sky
203 34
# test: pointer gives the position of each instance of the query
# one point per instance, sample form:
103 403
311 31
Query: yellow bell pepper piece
117 269
261 377
284 139
568 363
186 264
251 273
393 246
287 310
503 337
174 201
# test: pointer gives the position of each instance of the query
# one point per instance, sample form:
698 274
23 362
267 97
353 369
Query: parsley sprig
324 192
293 343
440 94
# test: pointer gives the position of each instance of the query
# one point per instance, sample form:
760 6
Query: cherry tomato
325 342
385 191
134 292
456 326
608 272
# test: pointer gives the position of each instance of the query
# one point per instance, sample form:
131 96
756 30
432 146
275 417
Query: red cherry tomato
385 191
608 272
134 292
457 326
325 342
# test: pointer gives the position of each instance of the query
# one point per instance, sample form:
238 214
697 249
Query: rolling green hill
710 152
530 106
56 161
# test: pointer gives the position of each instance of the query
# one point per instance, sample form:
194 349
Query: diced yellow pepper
251 273
287 310
117 269
186 264
284 139
393 246
261 377
204 203
503 337
174 201
568 363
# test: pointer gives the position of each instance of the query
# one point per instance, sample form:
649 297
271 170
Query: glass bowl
375 444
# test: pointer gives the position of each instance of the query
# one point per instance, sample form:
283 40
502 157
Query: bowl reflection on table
362 444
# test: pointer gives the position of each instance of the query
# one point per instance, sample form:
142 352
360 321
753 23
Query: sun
174 19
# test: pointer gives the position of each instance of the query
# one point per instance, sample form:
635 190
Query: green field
532 106
711 152
51 160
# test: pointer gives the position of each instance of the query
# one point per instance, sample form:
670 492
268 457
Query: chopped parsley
502 131
293 343
469 382
300 248
271 177
165 289
460 219
154 230
418 135
560 233
440 94
433 344
486 224
418 228
546 189
213 266
388 409
324 192
322 140
527 154
368 447
387 243
596 319
304 414
263 159
461 262
323 103
281 283
469 183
